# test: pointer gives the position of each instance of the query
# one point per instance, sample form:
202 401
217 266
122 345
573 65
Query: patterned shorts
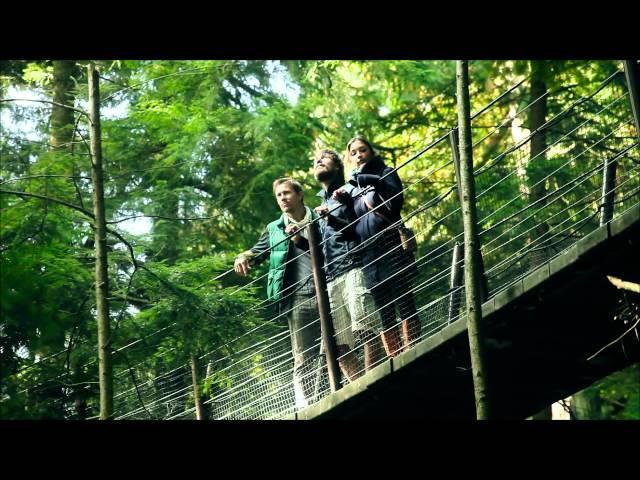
352 307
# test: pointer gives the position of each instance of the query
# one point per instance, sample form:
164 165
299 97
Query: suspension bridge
545 332
547 250
558 211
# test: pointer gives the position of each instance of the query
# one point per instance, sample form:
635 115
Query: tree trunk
537 118
62 119
472 271
62 124
455 148
105 369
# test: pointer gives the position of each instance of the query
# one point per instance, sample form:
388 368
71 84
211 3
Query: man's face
324 169
288 199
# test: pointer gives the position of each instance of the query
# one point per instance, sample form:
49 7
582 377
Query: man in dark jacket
354 316
290 281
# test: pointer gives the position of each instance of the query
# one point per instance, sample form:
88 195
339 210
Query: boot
373 353
349 365
410 331
391 341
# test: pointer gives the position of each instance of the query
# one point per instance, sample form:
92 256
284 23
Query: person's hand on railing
340 195
241 266
365 180
322 210
292 229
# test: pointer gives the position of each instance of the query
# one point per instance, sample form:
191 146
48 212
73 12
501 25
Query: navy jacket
382 255
339 237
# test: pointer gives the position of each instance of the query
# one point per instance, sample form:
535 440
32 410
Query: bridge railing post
324 309
608 189
456 281
632 74
609 169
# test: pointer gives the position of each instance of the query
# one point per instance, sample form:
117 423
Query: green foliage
45 286
202 316
620 394
38 74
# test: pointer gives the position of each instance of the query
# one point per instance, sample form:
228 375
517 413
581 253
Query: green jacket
273 244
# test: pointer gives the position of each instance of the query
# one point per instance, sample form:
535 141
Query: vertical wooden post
197 400
105 367
455 151
632 74
608 189
472 272
456 281
326 323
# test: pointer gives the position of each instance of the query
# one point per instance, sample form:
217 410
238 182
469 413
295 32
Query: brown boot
349 365
410 331
391 341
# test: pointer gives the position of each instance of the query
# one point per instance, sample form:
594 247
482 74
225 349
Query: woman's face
360 153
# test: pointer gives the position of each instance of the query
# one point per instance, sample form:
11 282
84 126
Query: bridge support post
326 323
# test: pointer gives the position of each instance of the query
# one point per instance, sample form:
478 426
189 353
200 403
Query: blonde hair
297 187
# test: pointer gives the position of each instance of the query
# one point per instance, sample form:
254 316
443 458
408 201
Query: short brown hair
297 187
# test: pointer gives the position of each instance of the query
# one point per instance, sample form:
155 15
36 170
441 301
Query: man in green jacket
290 281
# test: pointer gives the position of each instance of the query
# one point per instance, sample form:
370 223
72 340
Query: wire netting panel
535 198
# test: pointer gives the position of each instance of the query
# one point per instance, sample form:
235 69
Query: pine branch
159 216
50 199
81 112
30 177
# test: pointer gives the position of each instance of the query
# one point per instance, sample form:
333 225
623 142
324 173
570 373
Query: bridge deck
541 331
